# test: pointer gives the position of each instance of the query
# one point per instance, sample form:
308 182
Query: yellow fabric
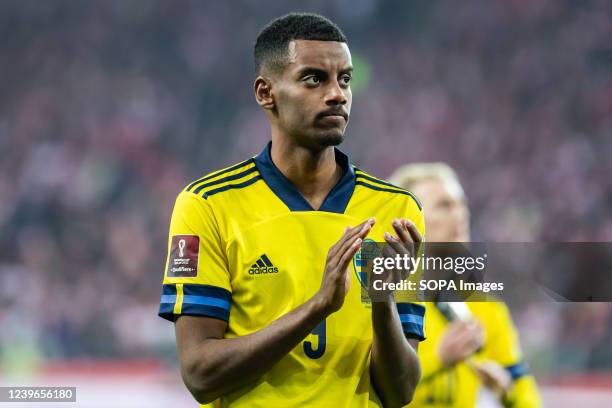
235 228
458 386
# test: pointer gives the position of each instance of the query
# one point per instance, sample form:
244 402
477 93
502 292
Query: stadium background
108 108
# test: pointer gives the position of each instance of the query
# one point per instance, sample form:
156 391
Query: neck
313 173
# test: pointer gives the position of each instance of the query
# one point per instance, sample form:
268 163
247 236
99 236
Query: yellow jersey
458 386
246 247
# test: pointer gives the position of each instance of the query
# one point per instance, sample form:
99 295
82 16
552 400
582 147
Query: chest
278 264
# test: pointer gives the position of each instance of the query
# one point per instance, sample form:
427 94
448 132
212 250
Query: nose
458 212
335 94
462 216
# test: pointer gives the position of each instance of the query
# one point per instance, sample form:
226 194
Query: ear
263 92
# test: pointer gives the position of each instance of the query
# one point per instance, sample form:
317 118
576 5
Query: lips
336 113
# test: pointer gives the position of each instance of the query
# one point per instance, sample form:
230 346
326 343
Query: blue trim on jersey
198 300
167 299
210 176
388 190
384 183
412 317
337 199
224 179
374 179
166 303
518 370
166 311
168 290
231 187
206 290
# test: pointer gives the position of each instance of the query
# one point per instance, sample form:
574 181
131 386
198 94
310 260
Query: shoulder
236 177
383 189
492 312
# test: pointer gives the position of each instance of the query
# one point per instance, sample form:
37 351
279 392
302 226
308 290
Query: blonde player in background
468 345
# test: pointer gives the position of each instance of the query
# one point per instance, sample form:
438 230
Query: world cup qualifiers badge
183 259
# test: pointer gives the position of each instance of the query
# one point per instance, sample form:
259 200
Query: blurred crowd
109 108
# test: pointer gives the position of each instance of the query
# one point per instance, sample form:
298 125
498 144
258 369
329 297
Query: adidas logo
263 265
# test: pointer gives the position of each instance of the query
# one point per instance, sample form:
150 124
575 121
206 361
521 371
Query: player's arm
212 366
457 343
395 369
523 394
505 353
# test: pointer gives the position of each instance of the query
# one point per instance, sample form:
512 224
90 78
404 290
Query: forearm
217 366
394 368
524 394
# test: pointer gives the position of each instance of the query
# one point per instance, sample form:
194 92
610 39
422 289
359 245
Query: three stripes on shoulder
364 179
245 173
240 175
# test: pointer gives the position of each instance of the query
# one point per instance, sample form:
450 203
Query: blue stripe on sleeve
207 291
165 311
198 300
518 370
169 290
411 308
412 317
167 299
166 304
206 301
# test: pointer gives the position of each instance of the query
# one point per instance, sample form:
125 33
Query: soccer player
261 275
479 345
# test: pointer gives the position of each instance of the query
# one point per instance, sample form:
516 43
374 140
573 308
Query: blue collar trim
335 202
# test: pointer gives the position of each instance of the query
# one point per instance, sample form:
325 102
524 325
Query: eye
445 204
312 80
345 79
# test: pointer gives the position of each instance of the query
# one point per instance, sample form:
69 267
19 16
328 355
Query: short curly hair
272 43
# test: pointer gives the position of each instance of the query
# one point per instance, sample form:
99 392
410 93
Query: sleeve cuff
518 370
412 317
194 300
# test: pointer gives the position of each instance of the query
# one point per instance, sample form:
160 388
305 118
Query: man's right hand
336 277
460 340
493 376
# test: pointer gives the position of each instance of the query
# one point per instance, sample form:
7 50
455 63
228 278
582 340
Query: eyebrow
319 71
311 70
